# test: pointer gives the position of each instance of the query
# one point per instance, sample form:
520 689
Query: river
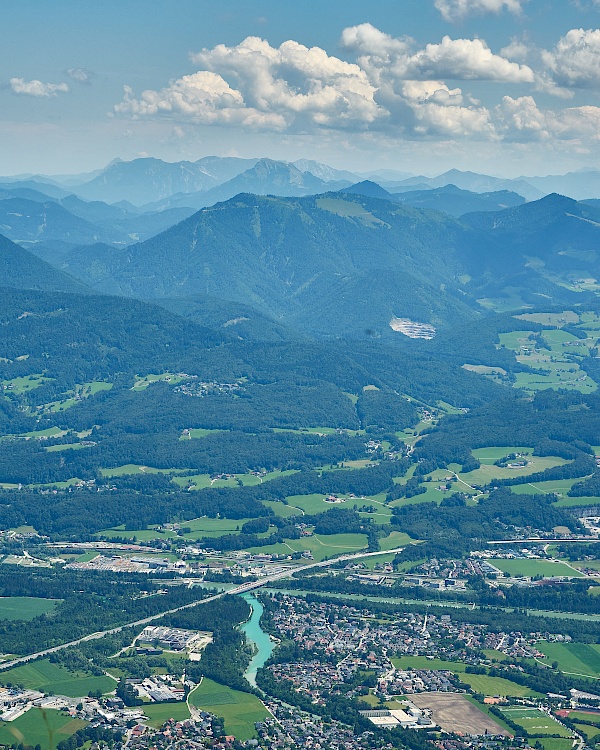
260 639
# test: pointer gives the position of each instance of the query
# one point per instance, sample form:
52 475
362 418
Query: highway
237 590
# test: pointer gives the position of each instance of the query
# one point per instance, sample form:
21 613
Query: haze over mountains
316 249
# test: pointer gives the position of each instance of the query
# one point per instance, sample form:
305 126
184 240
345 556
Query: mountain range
347 264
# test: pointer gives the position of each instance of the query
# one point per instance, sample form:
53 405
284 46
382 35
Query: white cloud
575 60
257 85
454 10
456 59
394 90
80 75
36 88
524 121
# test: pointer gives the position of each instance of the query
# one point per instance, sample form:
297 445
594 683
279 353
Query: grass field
526 567
39 727
24 383
119 471
422 662
486 473
197 433
281 509
585 716
490 686
535 722
495 452
158 713
51 678
320 546
25 607
202 481
239 710
395 539
66 447
144 381
573 658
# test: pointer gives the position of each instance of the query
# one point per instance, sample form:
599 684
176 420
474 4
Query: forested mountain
346 264
328 264
553 235
456 202
477 183
20 269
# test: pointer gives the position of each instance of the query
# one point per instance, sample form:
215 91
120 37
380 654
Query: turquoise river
260 639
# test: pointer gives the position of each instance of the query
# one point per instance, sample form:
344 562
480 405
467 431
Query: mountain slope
145 180
477 183
456 202
20 269
289 256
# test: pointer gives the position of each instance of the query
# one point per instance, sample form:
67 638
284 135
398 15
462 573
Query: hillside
329 264
20 269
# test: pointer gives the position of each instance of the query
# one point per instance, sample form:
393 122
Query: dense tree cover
226 658
87 604
339 521
27 461
83 512
92 734
587 488
454 531
385 409
564 417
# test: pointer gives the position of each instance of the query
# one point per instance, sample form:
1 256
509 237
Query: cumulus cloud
258 85
456 59
575 60
80 75
455 10
438 110
36 88
393 90
523 120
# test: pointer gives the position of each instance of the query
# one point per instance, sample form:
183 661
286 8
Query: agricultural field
320 546
43 727
158 713
239 710
25 607
423 662
202 481
535 721
51 678
486 473
393 540
491 686
573 658
120 471
197 433
532 567
455 713
23 384
144 381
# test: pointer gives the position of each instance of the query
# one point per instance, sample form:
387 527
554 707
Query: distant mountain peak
369 189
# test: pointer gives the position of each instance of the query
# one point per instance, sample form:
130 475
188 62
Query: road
237 590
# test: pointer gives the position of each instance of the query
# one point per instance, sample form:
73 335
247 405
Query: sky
506 87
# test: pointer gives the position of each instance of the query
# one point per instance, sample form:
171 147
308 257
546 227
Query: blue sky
504 86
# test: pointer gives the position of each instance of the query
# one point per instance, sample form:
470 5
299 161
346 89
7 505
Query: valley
344 437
